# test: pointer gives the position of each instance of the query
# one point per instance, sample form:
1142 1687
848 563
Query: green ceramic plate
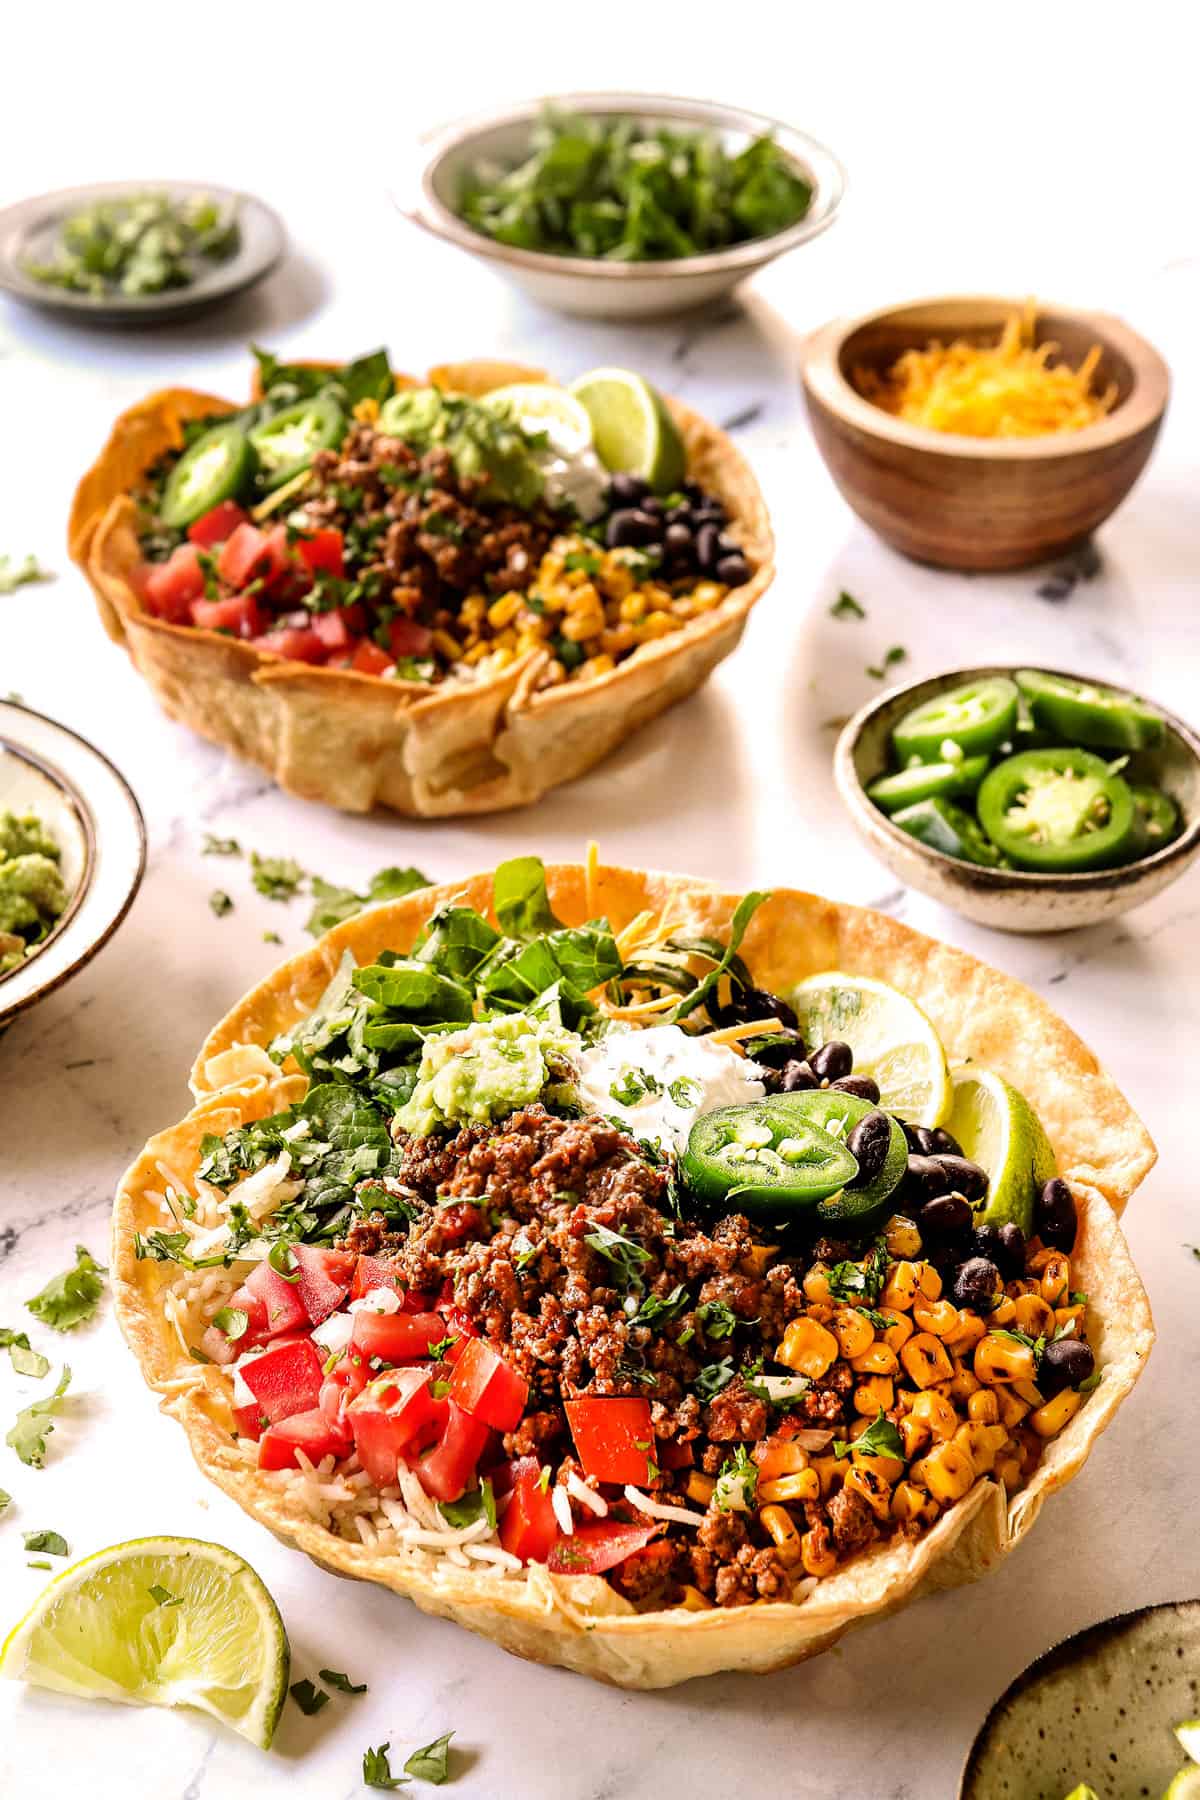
1100 1707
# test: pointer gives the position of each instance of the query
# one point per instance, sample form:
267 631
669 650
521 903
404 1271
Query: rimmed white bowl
589 286
91 810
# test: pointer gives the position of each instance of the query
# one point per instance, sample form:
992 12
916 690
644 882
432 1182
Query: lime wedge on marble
632 430
161 1621
1189 1737
1186 1785
540 405
892 1039
999 1130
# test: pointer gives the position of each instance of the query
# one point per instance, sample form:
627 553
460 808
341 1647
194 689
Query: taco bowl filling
580 1250
423 536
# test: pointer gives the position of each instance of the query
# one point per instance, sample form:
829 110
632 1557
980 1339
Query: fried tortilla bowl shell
580 1622
358 741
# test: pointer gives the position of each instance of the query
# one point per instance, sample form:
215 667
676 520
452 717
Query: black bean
797 1077
861 1086
1013 1240
1054 1217
942 1144
678 539
631 527
945 1220
1065 1363
709 512
776 1056
654 506
679 515
627 490
910 1134
707 547
747 1003
733 569
966 1177
868 1144
832 1061
927 1176
977 1284
925 1140
694 492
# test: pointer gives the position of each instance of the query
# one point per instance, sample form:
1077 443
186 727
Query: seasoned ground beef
851 1520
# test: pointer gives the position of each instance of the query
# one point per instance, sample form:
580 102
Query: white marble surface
953 184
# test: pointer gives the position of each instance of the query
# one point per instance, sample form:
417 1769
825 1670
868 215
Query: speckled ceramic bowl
592 287
1100 1707
1012 899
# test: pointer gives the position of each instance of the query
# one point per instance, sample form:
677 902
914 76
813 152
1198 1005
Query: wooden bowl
1016 899
980 503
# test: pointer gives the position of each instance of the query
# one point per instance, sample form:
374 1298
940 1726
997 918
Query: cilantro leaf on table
25 1360
71 1298
276 877
34 1424
377 1770
431 1762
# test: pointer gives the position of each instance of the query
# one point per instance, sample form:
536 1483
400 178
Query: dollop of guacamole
480 442
32 892
488 1070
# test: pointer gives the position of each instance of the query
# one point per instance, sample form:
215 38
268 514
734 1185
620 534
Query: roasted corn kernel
808 1348
1048 1420
874 1394
925 1360
854 1332
795 1488
817 1554
779 1525
901 1237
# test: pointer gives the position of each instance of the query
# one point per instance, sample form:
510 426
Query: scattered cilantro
276 877
162 1596
219 846
232 1321
717 1319
438 1350
860 1283
745 910
846 607
684 1091
15 574
634 1085
627 1257
658 1309
897 654
431 1762
478 1503
220 903
308 1698
713 1377
46 1543
583 560
72 1297
377 1770
335 904
736 1482
24 1359
5 1500
334 1678
138 243
35 1422
1037 1345
879 1439
271 937
39 1565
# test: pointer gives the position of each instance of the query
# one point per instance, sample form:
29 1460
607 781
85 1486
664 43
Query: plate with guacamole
72 850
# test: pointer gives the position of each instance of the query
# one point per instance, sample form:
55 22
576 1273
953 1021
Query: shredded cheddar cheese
1009 389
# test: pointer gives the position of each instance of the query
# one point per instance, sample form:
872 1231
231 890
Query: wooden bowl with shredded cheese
978 432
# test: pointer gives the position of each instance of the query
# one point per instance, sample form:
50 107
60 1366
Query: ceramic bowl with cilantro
624 205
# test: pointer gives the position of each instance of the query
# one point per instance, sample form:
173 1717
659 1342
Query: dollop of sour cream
658 1081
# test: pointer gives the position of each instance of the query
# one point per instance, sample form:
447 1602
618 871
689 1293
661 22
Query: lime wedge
632 430
159 1622
540 406
999 1130
892 1039
1186 1785
1083 1792
1189 1737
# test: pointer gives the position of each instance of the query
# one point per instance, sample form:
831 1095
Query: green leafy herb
633 1085
72 1297
685 1092
220 903
1089 1382
163 1596
39 1565
582 559
520 898
271 937
628 1258
377 1770
138 244
336 904
232 1321
15 574
5 1500
34 1424
334 1678
1037 1345
879 1439
282 1259
713 1377
308 1698
24 1359
660 1310
46 1543
478 1503
277 877
745 910
438 1351
846 607
736 1482
897 654
860 1283
718 1320
431 1763
219 846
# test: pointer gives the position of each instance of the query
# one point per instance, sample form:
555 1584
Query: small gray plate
29 232
1100 1707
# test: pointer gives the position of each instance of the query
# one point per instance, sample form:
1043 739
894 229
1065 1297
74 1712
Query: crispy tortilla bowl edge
580 1622
356 741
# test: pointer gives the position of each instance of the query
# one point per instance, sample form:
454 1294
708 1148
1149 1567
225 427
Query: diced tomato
670 1455
344 1383
529 1528
280 1299
169 588
448 1471
485 1385
614 1437
325 1277
369 659
459 1322
338 629
249 1421
254 555
645 1570
215 526
372 1272
321 552
299 643
408 638
285 1379
307 1431
595 1548
239 613
397 1337
387 1419
255 1309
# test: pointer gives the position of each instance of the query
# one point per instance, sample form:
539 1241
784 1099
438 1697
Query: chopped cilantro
46 1543
336 904
308 1698
860 1283
25 1360
334 1678
627 1257
377 1770
72 1297
478 1503
717 1319
271 937
633 1085
277 877
846 607
736 1482
879 1439
658 1309
232 1321
219 846
35 1422
684 1091
431 1762
713 1377
897 654
15 574
5 1500
220 903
